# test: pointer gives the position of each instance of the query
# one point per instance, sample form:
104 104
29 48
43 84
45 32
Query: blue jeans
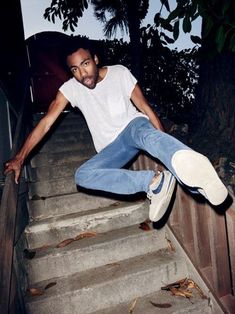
103 171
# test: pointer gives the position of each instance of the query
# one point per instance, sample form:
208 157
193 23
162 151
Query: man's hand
15 165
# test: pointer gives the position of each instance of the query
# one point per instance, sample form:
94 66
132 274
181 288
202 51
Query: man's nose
83 73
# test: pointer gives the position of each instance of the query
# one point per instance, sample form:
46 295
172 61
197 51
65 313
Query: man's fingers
7 170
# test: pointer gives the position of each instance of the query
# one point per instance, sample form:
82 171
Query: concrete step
51 172
104 248
65 139
59 158
64 118
52 187
160 302
106 286
61 146
53 230
76 127
66 204
65 123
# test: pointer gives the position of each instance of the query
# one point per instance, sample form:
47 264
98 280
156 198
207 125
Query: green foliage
218 22
113 13
170 76
70 11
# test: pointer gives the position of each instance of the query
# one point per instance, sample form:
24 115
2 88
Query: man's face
84 67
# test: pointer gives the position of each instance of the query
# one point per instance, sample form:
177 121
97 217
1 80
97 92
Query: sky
34 22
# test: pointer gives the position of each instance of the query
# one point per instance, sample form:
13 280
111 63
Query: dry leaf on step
145 225
85 235
113 264
35 291
176 284
181 293
161 305
49 285
170 246
64 243
132 306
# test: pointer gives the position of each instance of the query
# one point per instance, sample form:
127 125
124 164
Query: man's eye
74 70
86 63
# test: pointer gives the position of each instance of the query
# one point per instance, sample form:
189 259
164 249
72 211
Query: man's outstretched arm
142 104
55 108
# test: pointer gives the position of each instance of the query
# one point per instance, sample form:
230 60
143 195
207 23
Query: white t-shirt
107 108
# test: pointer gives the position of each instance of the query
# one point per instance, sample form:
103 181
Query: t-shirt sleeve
66 90
129 81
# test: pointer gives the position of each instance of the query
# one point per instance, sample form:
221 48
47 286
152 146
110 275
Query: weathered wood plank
220 254
230 219
7 231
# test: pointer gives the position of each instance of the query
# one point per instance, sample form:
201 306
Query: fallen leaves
78 237
145 225
183 288
65 242
35 291
49 285
170 246
40 291
132 306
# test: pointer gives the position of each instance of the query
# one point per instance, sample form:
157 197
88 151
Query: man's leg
102 172
189 167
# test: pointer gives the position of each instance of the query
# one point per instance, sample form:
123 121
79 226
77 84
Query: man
122 123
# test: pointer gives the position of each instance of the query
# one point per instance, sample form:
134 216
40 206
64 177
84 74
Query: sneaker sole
195 170
156 214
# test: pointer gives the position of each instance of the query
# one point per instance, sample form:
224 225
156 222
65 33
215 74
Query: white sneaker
160 193
195 170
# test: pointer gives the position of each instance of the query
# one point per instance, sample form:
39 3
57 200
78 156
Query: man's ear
96 59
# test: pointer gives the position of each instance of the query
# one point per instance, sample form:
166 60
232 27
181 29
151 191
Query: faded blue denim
103 171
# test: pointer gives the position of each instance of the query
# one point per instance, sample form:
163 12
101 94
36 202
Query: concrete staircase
109 265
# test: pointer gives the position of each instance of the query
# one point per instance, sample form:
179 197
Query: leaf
156 19
113 264
168 39
132 306
170 245
176 30
64 243
220 38
176 284
195 16
187 26
35 291
161 305
49 285
165 24
174 14
145 225
196 39
85 235
29 254
166 4
181 293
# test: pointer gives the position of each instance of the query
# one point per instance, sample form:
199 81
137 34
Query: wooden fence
208 237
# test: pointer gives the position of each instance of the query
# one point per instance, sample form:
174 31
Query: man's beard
90 81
